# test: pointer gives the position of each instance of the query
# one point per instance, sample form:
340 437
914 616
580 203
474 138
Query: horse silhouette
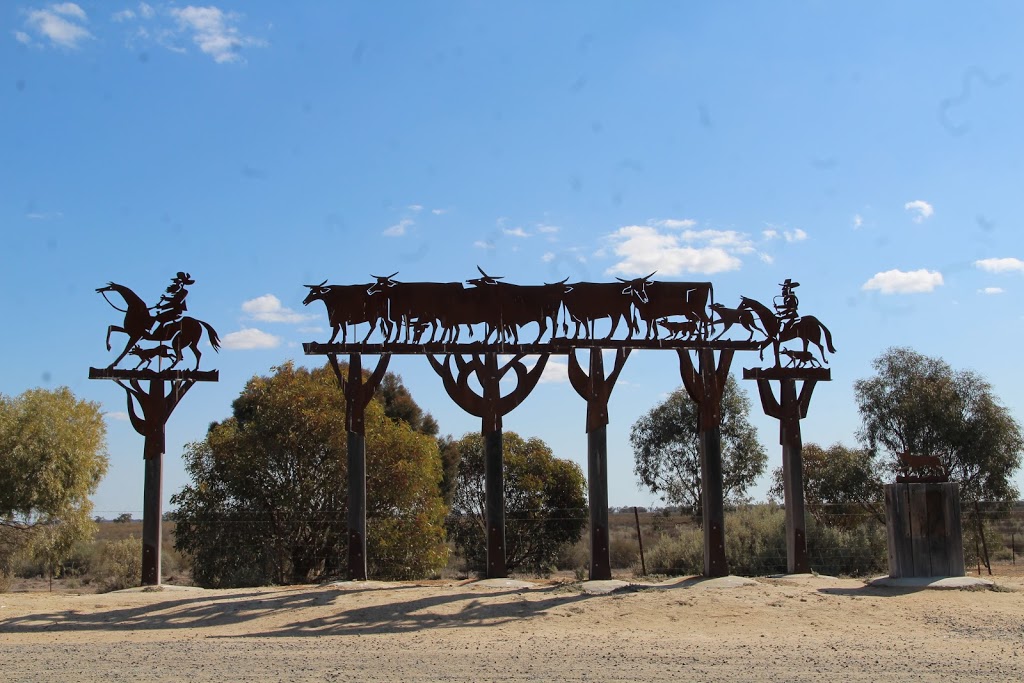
138 325
807 329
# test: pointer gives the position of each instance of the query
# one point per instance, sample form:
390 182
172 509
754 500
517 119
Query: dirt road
799 629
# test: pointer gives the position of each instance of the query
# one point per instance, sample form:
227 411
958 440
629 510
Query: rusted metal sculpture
437 319
490 406
705 387
785 324
358 390
149 409
596 389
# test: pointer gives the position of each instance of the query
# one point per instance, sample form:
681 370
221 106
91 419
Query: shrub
755 538
119 565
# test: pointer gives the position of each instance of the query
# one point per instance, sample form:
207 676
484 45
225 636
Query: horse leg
114 328
132 341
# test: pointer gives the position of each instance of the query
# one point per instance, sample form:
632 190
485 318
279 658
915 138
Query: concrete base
930 582
501 583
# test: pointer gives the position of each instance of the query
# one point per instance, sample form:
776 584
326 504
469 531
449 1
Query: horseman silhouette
139 323
784 324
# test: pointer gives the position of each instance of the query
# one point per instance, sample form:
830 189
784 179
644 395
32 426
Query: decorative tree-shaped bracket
705 388
789 409
149 412
358 390
490 406
596 390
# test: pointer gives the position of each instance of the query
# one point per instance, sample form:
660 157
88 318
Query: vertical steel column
705 388
494 503
154 405
356 506
792 481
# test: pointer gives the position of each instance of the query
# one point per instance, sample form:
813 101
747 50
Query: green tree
545 503
52 457
267 502
666 448
842 486
399 405
920 405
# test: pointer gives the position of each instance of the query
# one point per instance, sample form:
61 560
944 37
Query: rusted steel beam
554 347
597 389
191 375
358 391
705 387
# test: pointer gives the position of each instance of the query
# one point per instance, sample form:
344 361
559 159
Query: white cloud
250 338
399 228
555 372
858 221
44 215
770 234
268 308
438 212
416 208
991 290
548 257
900 282
766 258
146 11
797 235
515 232
676 224
644 249
22 37
61 24
484 244
123 15
920 208
547 229
118 415
1000 265
214 33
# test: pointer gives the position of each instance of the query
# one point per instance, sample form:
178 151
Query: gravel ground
794 629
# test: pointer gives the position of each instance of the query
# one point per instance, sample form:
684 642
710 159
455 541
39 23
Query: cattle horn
316 286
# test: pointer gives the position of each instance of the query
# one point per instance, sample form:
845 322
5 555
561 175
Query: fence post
640 539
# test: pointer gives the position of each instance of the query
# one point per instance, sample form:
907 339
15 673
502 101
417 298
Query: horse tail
214 339
828 338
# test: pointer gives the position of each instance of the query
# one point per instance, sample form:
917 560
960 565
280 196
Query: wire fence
842 540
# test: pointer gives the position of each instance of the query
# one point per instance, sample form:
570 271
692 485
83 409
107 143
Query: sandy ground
793 629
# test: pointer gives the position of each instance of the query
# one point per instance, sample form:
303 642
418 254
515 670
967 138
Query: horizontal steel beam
807 374
194 375
555 346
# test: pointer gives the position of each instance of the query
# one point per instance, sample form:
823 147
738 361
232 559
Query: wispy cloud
60 24
796 235
773 233
268 308
399 228
43 215
439 212
118 415
547 229
249 338
415 208
548 257
858 221
1000 265
675 224
484 244
901 282
921 209
515 232
214 32
991 290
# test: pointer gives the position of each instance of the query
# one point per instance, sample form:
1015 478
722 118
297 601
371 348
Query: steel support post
156 411
356 506
792 480
152 518
597 488
494 504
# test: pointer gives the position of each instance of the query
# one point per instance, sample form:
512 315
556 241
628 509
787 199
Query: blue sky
871 151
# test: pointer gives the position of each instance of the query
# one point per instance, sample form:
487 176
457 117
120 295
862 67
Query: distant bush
755 545
119 565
